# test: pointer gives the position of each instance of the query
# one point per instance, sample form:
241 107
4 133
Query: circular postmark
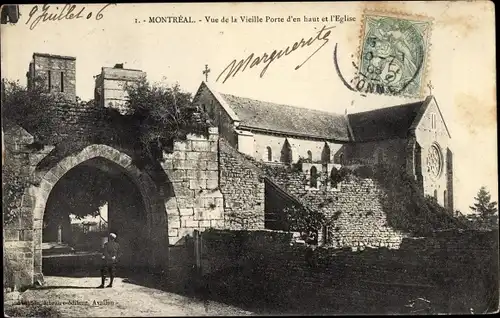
392 56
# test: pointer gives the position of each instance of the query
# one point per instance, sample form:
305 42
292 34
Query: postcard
249 158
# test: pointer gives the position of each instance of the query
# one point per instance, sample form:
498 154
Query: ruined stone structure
56 73
210 181
359 219
175 196
412 136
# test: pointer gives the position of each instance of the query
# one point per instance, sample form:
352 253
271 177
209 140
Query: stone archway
156 217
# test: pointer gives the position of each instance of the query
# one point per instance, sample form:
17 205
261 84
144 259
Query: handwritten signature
68 12
234 67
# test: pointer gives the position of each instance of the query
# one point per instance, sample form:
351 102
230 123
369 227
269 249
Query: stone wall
20 254
453 271
187 199
74 121
242 186
353 206
391 151
197 202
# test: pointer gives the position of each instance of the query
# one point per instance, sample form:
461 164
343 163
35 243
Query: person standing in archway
312 243
110 258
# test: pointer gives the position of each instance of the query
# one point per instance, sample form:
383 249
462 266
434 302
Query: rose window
434 162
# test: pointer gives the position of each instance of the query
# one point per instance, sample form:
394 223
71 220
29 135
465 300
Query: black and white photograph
249 159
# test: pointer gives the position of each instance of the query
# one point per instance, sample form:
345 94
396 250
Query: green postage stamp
394 53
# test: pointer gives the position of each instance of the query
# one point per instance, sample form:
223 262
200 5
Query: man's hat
113 235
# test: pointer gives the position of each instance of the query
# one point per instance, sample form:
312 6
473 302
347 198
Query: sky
460 65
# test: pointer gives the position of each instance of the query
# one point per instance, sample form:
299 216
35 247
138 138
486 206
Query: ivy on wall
160 114
403 202
300 219
13 187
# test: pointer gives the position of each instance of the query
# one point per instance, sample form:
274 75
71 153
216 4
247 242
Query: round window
434 161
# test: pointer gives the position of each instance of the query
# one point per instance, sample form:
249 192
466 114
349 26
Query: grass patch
31 310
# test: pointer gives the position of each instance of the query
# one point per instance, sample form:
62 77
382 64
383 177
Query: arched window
341 159
269 154
380 156
309 155
286 152
314 177
326 234
436 194
325 155
335 177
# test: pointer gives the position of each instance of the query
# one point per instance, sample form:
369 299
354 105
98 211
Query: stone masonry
242 185
193 171
359 220
57 72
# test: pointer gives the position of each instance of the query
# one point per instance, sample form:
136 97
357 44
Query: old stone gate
180 196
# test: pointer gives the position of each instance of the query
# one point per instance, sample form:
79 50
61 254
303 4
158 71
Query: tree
302 219
483 206
80 192
33 109
30 109
161 114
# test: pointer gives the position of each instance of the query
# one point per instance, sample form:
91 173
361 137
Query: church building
413 136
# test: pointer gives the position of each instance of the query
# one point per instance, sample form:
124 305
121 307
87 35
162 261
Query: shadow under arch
156 216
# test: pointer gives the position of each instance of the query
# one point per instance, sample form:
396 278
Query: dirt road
78 297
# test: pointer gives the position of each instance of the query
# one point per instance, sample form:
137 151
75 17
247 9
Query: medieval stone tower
110 86
56 74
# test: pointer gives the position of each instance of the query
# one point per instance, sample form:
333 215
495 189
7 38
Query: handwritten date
68 12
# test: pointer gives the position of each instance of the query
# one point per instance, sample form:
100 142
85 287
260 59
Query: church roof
291 120
386 123
379 124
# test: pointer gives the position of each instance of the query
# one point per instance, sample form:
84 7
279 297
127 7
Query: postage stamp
394 53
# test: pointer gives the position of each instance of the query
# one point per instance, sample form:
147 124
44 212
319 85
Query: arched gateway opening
97 179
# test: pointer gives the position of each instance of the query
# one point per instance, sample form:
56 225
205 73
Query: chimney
118 65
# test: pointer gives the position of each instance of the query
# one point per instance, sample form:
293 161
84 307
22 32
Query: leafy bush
338 175
33 109
13 186
11 267
13 190
407 208
159 114
364 172
162 114
32 310
300 219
